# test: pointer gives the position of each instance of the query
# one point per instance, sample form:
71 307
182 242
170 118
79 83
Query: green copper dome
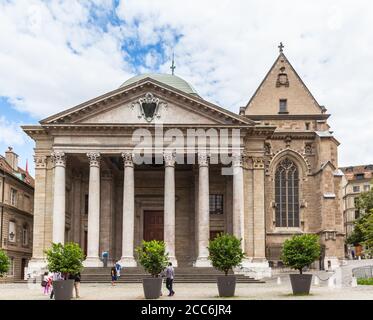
168 79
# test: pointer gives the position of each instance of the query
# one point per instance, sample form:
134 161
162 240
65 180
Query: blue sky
56 54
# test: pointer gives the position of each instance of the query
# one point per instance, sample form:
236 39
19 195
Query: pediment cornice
131 92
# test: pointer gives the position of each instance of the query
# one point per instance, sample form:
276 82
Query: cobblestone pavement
278 287
267 291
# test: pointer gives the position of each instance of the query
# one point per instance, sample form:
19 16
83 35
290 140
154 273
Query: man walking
170 274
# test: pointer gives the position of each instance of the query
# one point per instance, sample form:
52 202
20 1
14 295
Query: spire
281 47
173 67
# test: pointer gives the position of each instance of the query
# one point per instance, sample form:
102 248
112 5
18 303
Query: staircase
182 275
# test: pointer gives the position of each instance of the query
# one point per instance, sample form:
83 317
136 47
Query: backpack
44 283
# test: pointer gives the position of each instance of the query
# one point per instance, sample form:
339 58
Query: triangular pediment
282 82
134 104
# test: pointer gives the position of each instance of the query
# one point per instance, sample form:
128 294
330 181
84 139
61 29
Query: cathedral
153 159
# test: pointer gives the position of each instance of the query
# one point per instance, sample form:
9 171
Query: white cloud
227 47
11 133
52 56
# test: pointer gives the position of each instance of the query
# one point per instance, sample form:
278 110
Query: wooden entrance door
153 225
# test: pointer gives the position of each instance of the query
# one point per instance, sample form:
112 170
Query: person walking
45 283
170 274
113 275
118 268
76 278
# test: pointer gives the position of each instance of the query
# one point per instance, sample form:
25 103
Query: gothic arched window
287 194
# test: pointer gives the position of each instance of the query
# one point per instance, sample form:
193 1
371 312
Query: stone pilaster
203 212
38 245
106 214
169 206
127 259
93 255
259 210
59 197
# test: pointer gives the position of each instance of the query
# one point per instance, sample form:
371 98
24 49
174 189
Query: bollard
354 282
316 281
278 280
331 282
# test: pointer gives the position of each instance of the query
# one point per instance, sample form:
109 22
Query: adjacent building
357 179
265 174
16 209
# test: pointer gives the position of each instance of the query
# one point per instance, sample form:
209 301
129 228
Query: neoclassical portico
94 191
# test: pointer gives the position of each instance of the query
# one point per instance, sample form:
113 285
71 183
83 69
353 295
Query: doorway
153 225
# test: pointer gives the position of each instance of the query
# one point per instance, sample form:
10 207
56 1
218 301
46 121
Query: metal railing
363 272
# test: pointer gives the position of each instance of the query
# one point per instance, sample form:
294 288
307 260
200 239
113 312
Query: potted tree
153 257
225 253
65 259
4 263
298 252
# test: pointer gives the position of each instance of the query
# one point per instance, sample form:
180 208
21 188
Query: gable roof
282 56
61 117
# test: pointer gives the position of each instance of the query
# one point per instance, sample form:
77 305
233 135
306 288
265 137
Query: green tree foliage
153 257
4 263
300 251
363 226
67 259
225 252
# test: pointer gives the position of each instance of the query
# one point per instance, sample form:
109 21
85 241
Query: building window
366 187
356 188
11 267
13 197
86 204
307 126
12 231
359 176
216 204
283 106
357 214
287 194
25 235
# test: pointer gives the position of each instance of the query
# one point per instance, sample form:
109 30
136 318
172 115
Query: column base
128 262
255 268
173 261
36 267
93 262
202 262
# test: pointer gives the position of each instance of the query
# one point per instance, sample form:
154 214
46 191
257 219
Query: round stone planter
226 286
152 287
301 283
63 289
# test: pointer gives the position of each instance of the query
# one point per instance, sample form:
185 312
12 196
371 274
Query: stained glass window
287 194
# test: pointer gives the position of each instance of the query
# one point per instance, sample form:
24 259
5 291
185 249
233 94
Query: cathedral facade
154 160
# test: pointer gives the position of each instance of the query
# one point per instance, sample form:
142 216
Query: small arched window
287 194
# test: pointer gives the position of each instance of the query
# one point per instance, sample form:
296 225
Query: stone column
203 212
59 197
93 255
76 212
169 207
259 212
128 231
238 198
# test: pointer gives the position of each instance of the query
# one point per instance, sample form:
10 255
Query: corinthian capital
203 159
258 162
127 159
94 159
238 159
58 159
40 161
169 159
